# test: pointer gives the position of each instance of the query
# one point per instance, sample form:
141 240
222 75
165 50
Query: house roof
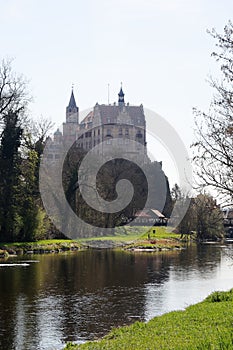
109 111
157 212
88 118
150 213
142 214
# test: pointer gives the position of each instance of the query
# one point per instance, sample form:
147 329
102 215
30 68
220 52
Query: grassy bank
129 238
206 325
38 247
137 237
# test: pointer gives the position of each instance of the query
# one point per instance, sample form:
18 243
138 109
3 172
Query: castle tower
72 120
72 112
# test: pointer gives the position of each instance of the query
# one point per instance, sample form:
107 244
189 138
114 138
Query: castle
119 122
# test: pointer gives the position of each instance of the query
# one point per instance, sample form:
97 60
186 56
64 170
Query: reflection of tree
201 258
88 293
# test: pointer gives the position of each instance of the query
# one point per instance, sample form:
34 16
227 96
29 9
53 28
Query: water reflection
83 295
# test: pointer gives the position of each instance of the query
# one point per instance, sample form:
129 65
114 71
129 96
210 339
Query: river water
48 300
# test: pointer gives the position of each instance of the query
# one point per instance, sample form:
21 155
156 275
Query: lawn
128 233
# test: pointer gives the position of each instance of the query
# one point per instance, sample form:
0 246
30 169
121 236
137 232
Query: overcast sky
159 49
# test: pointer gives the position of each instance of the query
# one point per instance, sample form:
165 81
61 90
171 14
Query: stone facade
112 125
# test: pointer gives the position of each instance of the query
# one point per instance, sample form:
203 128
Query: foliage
203 217
9 176
106 182
213 149
21 212
207 325
208 217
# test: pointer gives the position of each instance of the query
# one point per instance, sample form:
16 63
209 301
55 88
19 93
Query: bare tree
36 133
213 149
14 97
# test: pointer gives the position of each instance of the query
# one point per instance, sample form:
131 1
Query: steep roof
72 103
112 111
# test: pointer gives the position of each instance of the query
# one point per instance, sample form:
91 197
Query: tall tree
10 177
213 149
21 212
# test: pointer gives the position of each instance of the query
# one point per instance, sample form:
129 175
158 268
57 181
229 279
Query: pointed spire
72 103
72 111
121 100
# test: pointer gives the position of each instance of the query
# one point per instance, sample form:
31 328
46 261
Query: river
48 300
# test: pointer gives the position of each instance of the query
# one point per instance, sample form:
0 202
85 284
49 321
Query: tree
10 177
208 217
13 94
181 200
21 212
213 149
203 217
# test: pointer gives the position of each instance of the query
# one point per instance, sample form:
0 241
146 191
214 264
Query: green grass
128 233
51 245
41 242
126 236
204 326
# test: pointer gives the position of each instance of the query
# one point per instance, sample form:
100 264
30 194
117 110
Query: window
126 131
109 142
108 120
108 132
98 131
139 134
120 132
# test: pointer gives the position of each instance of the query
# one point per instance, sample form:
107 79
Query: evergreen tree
10 177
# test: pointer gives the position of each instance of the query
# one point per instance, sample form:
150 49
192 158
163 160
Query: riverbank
135 239
206 325
38 247
127 238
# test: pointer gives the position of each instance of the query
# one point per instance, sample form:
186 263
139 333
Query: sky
158 49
